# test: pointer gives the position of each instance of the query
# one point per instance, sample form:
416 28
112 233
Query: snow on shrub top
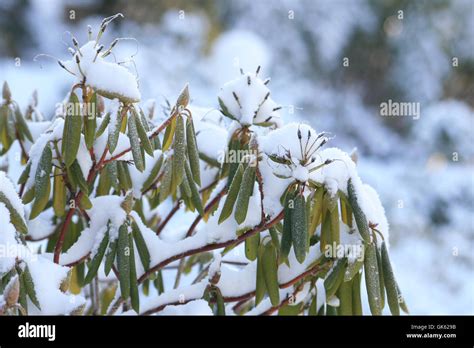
109 79
247 100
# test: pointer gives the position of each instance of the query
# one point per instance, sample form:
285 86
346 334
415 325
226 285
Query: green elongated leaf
356 298
16 219
28 196
325 240
21 124
220 305
97 259
334 218
25 174
346 211
389 281
80 270
381 278
85 203
59 193
299 228
22 299
30 287
169 133
344 293
42 182
372 279
144 120
72 131
153 174
313 307
158 282
232 194
270 273
233 149
141 246
261 288
274 235
286 238
317 209
225 111
360 218
353 268
195 197
5 138
90 122
114 130
179 151
251 246
335 278
165 186
103 125
11 124
77 177
110 257
401 301
134 296
185 189
123 261
243 198
124 179
135 144
111 171
141 131
193 152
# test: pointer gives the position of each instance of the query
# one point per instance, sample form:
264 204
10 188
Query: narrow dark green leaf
179 151
261 288
335 278
195 197
110 257
344 293
299 228
361 220
97 259
134 296
232 195
372 279
141 246
286 238
22 125
30 287
251 246
123 261
90 122
42 182
193 152
356 298
242 203
390 282
144 141
72 131
270 273
135 144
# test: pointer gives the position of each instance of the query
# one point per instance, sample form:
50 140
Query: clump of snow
109 79
248 100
